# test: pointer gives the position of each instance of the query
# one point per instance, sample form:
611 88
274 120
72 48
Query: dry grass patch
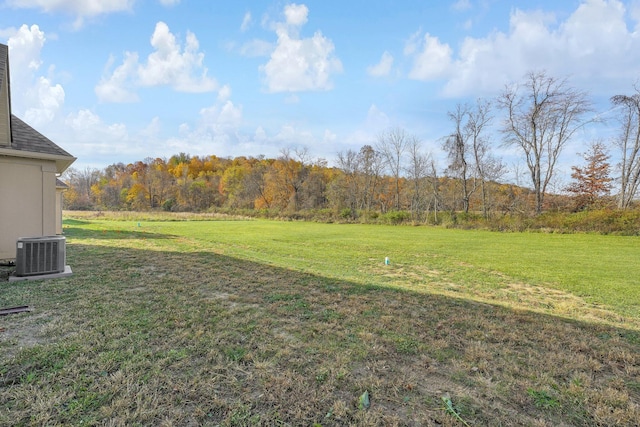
504 291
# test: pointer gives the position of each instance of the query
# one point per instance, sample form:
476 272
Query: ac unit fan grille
40 256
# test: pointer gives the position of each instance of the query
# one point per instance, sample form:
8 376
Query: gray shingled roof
26 138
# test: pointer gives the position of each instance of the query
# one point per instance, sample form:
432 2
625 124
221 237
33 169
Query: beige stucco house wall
30 197
61 187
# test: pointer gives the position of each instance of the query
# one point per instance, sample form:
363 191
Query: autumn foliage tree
592 181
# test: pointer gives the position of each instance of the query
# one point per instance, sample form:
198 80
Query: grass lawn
240 323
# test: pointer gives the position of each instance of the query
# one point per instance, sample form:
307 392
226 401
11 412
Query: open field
240 323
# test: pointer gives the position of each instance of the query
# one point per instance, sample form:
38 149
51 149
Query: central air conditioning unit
40 255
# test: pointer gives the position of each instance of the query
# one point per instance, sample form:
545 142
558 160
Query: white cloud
152 130
382 68
118 87
432 60
246 22
593 43
461 5
45 101
25 46
300 64
168 65
89 127
366 134
290 135
77 7
39 100
376 119
296 15
260 135
36 98
184 129
634 11
95 142
256 48
80 8
329 137
413 43
224 93
596 27
222 118
92 137
168 3
221 130
217 131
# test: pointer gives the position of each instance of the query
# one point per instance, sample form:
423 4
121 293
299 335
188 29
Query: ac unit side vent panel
40 255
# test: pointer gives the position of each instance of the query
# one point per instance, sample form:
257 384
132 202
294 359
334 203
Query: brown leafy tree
293 170
108 191
591 182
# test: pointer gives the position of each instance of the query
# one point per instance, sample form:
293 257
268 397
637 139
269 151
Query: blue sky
122 80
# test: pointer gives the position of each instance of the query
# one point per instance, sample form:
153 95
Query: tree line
395 175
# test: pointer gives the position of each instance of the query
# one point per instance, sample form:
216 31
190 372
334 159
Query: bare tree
470 160
82 182
371 164
392 145
417 173
543 114
458 152
435 187
349 163
629 144
487 166
492 170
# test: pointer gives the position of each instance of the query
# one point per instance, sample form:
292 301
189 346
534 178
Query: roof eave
62 162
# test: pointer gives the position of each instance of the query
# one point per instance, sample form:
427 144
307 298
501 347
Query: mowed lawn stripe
600 269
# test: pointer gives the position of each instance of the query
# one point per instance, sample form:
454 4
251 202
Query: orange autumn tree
592 181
